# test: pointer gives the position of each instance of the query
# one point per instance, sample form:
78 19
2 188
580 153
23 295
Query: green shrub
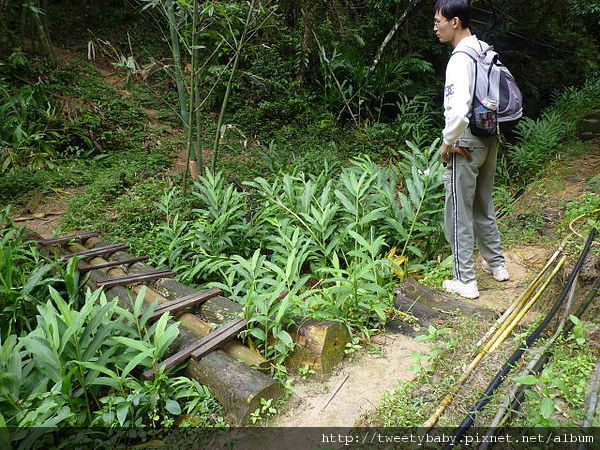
537 144
575 103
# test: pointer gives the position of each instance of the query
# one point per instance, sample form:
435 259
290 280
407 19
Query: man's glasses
437 23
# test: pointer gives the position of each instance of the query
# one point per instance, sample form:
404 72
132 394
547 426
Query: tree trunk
321 346
308 9
391 34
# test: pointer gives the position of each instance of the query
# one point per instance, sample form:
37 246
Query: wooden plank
204 345
84 267
129 279
184 302
228 331
62 239
97 251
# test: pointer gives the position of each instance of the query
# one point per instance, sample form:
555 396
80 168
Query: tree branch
390 35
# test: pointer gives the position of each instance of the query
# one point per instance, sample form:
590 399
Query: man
471 161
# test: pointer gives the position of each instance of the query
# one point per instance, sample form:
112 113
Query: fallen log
238 389
431 302
321 346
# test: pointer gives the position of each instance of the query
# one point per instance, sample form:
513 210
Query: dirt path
354 388
42 214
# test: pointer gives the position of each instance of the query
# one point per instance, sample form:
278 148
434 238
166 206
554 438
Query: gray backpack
497 103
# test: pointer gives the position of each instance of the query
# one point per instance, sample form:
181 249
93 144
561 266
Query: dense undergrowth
330 206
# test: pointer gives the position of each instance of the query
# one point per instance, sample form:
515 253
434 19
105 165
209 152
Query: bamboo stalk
494 342
529 304
517 304
236 60
175 49
192 155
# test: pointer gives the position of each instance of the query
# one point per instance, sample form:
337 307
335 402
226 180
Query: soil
354 388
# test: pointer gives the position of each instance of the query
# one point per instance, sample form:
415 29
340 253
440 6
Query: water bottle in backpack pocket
484 121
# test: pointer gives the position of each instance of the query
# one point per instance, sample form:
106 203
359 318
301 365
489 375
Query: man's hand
454 148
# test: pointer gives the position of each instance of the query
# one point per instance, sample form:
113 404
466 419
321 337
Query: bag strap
475 55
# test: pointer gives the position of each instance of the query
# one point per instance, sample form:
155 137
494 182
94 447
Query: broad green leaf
258 334
122 411
36 278
285 337
546 407
132 343
137 360
526 379
173 407
99 368
105 381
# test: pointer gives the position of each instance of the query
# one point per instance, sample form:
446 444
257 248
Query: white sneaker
466 290
499 273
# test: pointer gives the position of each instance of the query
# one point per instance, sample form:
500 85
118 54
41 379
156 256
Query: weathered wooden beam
129 279
84 267
97 251
201 347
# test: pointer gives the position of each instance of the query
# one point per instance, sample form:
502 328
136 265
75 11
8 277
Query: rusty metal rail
63 239
84 267
185 302
198 349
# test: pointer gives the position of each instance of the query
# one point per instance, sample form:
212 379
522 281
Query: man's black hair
455 8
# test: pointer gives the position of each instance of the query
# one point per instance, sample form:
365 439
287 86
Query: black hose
487 395
537 368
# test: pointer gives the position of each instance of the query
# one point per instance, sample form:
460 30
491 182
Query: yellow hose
520 301
580 217
528 306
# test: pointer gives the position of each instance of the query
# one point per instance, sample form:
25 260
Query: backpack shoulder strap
473 52
469 51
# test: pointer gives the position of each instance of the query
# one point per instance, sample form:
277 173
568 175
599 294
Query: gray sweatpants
469 213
